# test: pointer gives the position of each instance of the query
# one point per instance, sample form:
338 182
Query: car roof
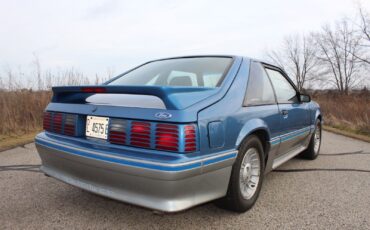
215 55
195 56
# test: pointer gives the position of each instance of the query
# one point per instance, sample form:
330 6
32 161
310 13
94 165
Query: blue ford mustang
177 132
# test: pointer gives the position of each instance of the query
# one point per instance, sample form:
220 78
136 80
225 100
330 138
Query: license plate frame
97 127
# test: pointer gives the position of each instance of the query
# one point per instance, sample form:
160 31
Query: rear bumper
165 186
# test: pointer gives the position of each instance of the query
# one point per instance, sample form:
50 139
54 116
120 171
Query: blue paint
133 163
216 134
223 158
118 161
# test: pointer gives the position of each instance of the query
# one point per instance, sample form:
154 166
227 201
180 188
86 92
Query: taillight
160 136
140 134
62 123
57 122
69 124
190 138
47 121
166 137
117 131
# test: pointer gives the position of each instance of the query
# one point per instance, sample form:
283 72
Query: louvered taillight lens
190 138
140 134
47 121
57 122
70 124
62 123
160 136
167 137
117 131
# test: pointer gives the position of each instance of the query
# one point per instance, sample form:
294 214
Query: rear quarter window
259 89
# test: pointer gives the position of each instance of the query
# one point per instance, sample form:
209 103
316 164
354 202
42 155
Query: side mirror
304 98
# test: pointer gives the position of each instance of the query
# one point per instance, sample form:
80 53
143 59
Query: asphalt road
291 198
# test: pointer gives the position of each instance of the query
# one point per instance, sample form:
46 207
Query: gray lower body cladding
160 190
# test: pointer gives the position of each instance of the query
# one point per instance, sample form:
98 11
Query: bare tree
297 57
365 23
365 31
338 50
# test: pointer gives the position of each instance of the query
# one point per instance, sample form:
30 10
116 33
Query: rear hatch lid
141 102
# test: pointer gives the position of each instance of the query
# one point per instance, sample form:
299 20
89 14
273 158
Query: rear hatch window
184 72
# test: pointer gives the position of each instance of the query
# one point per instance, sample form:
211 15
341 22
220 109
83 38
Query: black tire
234 199
310 153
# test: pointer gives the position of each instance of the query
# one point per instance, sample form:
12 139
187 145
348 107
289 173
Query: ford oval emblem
163 115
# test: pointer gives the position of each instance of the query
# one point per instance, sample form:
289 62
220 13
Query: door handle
284 112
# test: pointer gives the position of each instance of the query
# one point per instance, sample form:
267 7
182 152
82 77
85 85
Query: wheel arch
319 117
317 114
259 128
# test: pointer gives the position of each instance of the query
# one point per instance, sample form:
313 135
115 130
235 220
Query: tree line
338 55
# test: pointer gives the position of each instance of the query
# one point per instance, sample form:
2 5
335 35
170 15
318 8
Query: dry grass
8 142
23 97
347 112
21 111
347 133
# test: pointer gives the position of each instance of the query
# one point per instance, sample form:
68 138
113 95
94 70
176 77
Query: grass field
350 113
21 111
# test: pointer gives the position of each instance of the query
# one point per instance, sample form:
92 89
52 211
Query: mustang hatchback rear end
138 140
174 133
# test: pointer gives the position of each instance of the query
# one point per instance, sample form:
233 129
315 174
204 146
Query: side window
259 89
285 92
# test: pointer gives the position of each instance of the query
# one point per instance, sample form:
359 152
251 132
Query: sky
96 36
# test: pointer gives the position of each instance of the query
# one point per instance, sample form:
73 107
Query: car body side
240 121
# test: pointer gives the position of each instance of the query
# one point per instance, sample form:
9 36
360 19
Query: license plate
97 127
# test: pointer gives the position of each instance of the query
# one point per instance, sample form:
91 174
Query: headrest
181 81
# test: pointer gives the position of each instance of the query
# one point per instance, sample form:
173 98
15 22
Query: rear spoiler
61 93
